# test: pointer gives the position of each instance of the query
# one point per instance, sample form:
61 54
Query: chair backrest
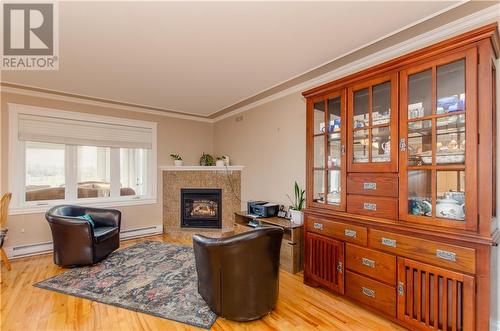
4 209
238 275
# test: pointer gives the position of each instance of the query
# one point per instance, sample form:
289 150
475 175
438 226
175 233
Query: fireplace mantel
201 168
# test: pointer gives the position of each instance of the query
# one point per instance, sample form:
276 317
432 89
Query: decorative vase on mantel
219 163
178 163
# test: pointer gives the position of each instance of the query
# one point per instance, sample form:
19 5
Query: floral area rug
150 277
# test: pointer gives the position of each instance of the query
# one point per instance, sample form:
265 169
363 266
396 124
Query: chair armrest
66 228
207 257
105 217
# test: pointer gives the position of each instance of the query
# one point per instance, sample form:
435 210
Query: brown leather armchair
238 276
76 241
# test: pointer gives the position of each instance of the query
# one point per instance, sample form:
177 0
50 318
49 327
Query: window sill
36 209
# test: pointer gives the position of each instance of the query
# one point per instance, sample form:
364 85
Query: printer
262 208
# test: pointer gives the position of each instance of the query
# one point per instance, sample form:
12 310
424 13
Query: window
63 157
133 171
45 171
93 171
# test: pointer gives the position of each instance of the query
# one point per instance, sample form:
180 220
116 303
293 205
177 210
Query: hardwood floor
26 308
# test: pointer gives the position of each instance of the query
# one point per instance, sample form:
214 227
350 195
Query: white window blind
83 132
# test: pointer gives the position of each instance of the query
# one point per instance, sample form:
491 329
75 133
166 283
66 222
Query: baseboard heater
16 252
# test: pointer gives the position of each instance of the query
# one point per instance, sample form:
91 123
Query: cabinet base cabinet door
432 298
325 261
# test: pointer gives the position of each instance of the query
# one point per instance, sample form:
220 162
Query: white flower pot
297 217
178 163
219 163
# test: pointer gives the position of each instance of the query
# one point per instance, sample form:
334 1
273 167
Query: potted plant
296 214
220 161
207 160
177 159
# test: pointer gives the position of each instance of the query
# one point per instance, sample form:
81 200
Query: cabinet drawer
372 293
343 231
373 206
383 185
377 265
443 255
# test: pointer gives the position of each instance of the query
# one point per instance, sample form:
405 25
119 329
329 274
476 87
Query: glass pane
381 144
450 146
420 94
93 171
361 115
419 192
334 115
451 87
133 171
319 117
334 151
44 171
334 187
319 151
381 108
319 186
450 189
420 142
360 146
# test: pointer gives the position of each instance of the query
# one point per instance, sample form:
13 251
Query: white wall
270 142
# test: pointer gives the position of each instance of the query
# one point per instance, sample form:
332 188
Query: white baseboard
141 232
16 252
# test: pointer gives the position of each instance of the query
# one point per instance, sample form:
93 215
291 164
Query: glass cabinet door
373 125
326 176
438 142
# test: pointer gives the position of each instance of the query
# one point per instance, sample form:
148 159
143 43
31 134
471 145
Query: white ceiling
201 57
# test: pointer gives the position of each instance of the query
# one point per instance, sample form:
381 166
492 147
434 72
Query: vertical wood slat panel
427 298
324 255
436 301
445 303
334 270
454 307
419 295
409 290
452 295
328 263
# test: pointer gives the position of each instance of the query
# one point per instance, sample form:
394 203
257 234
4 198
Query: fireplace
201 208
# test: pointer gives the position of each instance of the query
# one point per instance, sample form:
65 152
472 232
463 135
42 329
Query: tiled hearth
186 177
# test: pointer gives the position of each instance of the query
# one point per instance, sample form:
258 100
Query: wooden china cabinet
401 176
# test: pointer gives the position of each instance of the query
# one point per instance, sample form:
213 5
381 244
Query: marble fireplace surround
228 179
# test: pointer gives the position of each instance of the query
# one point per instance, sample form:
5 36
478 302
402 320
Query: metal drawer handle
369 206
318 226
370 186
350 233
388 242
340 268
368 292
445 255
368 262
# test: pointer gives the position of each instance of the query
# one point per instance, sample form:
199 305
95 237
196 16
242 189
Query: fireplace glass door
201 208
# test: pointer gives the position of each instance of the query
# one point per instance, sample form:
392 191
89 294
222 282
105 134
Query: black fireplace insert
201 208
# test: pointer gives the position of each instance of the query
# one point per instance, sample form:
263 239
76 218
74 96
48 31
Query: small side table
292 251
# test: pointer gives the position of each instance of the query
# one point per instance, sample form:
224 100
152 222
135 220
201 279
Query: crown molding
31 91
453 28
430 37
